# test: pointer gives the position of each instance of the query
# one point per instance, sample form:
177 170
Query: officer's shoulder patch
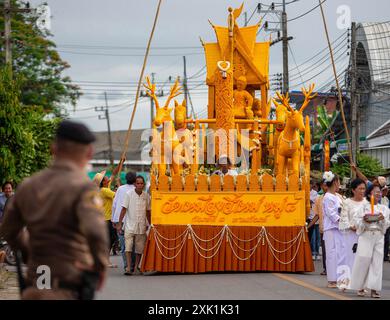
92 198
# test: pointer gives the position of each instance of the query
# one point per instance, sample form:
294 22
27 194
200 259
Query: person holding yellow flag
107 196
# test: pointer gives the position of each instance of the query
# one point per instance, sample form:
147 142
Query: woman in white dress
348 230
332 235
368 267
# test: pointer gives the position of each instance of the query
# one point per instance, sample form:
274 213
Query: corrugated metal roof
375 38
381 131
134 149
382 154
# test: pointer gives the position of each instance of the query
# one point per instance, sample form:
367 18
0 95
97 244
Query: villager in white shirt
136 207
118 200
368 266
348 230
117 208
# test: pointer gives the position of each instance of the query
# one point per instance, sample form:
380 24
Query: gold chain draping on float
262 235
139 87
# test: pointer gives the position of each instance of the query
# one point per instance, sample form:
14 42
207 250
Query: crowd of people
352 232
127 215
39 221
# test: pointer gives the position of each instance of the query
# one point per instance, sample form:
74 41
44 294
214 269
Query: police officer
56 220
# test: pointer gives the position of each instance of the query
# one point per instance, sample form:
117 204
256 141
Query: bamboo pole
337 84
126 144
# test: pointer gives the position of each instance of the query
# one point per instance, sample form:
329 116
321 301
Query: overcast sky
104 42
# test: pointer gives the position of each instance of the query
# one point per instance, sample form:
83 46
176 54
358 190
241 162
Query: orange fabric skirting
166 251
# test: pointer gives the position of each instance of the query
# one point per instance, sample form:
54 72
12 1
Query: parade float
255 220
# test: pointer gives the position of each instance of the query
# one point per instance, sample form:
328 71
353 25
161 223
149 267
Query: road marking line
311 287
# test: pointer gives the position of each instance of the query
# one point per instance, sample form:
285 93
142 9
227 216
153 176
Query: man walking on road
56 220
136 207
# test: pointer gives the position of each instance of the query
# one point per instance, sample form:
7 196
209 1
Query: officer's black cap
75 131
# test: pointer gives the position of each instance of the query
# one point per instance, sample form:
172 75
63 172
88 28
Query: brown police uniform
62 211
65 228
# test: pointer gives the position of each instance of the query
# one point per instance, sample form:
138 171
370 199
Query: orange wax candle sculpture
372 204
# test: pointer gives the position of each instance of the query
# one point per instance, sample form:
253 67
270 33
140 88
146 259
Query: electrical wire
318 63
327 67
318 53
293 56
82 46
128 55
304 14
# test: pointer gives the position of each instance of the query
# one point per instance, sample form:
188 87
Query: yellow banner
229 208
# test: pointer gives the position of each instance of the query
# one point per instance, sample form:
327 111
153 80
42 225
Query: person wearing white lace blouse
371 222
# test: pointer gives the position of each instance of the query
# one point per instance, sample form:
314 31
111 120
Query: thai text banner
229 208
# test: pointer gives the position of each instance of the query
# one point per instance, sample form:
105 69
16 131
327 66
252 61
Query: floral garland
262 237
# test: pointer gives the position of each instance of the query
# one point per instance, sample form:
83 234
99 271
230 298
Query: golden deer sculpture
180 115
163 117
289 140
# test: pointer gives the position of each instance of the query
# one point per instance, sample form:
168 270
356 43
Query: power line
198 73
330 80
128 55
316 55
327 66
280 4
319 62
302 15
81 46
293 56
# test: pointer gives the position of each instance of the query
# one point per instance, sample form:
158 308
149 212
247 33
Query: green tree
38 64
368 165
25 132
324 121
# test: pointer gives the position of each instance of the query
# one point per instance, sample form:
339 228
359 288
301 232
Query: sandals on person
375 294
361 293
323 273
127 273
137 272
332 285
112 265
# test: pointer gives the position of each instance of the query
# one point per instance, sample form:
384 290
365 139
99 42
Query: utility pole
107 116
285 49
7 11
7 32
282 16
245 18
354 100
185 83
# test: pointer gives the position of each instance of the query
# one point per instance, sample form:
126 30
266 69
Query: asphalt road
226 286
